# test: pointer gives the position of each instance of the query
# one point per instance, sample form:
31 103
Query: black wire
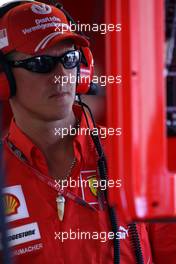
102 166
135 242
82 104
115 229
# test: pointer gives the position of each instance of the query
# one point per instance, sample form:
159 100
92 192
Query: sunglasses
46 63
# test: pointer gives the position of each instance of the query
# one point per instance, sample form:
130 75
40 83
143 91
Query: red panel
138 106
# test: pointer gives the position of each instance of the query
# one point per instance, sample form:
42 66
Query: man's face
40 94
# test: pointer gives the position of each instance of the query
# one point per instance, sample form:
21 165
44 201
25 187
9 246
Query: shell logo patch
11 204
15 204
92 186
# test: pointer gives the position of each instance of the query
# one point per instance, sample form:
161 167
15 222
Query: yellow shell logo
11 204
93 185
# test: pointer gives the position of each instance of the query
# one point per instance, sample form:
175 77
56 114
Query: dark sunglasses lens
41 64
45 64
71 59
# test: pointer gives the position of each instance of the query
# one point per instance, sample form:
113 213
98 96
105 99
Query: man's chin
58 114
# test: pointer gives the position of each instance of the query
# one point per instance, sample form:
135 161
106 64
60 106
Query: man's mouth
58 95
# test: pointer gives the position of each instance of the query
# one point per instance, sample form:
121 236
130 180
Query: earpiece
86 70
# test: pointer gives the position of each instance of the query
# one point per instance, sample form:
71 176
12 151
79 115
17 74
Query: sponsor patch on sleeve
23 234
15 204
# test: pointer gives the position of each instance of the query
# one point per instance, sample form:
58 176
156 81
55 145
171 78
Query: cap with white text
32 27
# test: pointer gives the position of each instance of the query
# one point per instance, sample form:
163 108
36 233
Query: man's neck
44 134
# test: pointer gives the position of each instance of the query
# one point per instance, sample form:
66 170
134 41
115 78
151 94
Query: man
49 224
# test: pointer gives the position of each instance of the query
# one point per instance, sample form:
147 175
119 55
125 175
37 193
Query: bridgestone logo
20 235
23 234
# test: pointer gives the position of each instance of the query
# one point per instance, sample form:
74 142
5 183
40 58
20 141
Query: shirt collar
31 151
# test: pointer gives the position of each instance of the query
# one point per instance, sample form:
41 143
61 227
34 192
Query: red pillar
137 105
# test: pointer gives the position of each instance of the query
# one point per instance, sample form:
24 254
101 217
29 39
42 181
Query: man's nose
58 73
59 69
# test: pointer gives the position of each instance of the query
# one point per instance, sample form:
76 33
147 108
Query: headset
85 70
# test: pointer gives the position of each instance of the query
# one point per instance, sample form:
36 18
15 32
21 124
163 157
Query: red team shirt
36 235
